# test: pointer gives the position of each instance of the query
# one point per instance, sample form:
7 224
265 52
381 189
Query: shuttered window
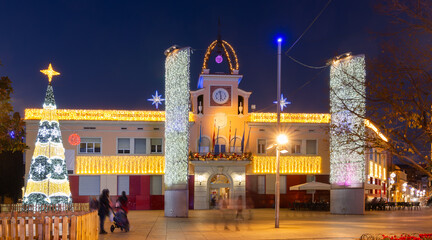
89 185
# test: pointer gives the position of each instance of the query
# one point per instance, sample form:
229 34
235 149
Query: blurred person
104 208
122 200
239 211
94 204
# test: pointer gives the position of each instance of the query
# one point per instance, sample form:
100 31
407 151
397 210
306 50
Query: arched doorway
219 188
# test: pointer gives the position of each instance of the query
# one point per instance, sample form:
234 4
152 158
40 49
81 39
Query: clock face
220 95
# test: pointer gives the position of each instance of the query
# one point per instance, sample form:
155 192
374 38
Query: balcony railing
212 156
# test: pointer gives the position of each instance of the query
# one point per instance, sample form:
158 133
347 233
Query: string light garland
290 118
288 164
101 115
347 77
227 52
88 165
177 93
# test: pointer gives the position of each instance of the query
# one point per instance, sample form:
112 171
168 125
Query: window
261 146
139 146
311 146
156 185
261 184
123 145
296 146
90 145
220 145
204 146
235 145
122 184
282 184
156 145
89 185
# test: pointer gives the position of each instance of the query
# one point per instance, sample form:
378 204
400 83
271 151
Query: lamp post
281 140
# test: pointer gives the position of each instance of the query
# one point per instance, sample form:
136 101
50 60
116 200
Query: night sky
111 53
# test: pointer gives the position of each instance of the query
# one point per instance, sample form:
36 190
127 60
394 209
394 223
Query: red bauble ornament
74 139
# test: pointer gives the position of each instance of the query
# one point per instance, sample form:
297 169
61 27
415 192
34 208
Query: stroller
120 220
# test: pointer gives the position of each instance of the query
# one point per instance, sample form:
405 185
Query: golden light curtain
288 164
120 164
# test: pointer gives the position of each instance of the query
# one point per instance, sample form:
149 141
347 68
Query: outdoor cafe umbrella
311 186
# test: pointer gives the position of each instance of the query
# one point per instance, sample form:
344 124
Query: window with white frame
261 146
139 146
90 145
311 147
261 184
296 146
156 185
156 145
204 146
235 145
123 145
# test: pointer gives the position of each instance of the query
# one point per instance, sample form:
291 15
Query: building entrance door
219 189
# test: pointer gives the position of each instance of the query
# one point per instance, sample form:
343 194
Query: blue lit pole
277 183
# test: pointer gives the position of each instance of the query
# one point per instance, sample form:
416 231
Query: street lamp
281 139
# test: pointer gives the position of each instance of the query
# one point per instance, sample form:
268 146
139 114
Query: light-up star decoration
283 102
50 72
156 99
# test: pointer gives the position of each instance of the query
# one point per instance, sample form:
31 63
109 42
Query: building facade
229 157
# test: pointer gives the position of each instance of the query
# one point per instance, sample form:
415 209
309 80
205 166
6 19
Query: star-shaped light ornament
283 102
58 169
50 72
156 99
39 169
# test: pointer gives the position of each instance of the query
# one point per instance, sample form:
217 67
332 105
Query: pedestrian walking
122 200
239 211
104 208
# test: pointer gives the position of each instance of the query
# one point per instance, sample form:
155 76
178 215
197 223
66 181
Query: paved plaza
208 224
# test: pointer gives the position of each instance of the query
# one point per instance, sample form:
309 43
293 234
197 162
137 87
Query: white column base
347 201
176 203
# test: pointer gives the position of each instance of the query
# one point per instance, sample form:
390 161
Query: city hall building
123 150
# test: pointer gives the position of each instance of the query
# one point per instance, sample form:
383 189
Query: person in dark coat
104 207
123 202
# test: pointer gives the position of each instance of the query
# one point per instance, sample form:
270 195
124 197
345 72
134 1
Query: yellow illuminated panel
290 117
375 129
375 170
288 164
384 176
120 165
101 115
371 168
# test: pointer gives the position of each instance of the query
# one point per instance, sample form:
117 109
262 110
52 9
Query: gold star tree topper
50 72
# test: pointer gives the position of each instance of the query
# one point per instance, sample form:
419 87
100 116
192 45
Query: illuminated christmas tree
48 181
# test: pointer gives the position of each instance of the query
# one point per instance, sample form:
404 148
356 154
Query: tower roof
227 51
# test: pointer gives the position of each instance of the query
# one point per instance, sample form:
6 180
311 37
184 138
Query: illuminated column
176 131
347 160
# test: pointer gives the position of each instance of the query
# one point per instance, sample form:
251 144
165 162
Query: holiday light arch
228 52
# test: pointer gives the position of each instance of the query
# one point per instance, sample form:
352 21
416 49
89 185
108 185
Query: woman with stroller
104 207
120 218
122 200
